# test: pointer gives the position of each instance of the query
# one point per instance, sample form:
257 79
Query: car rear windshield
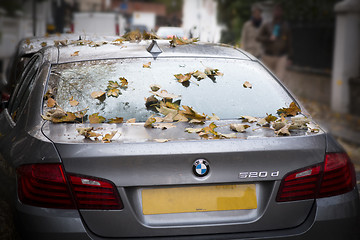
229 88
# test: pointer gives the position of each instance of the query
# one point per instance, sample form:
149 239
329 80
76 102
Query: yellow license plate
199 199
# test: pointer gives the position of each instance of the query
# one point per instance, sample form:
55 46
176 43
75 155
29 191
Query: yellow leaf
116 120
239 127
124 82
27 41
76 53
270 118
73 102
165 94
80 114
114 92
95 118
43 44
249 119
292 110
107 138
183 78
199 75
113 84
147 65
247 84
131 120
149 122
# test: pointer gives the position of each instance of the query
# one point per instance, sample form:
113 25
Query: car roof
115 50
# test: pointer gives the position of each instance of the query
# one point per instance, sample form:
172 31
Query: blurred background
325 66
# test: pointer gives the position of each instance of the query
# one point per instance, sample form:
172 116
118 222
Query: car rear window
225 94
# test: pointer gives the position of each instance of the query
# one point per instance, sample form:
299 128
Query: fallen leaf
192 114
87 132
131 120
180 118
164 126
81 113
95 118
249 119
150 35
107 138
151 101
113 92
73 102
165 94
247 84
27 41
172 105
161 140
292 110
237 127
97 94
76 53
212 72
315 130
43 44
147 65
169 117
180 41
113 84
270 118
133 36
284 131
124 82
199 75
116 120
213 117
165 110
49 94
154 87
183 77
229 135
193 130
149 122
299 123
51 103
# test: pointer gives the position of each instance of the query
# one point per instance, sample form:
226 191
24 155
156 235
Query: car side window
24 87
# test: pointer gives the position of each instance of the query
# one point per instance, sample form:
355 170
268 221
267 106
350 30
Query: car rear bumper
331 218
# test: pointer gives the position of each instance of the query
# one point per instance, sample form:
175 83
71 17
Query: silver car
159 140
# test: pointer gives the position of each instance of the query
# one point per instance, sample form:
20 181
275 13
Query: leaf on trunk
284 131
237 127
95 118
73 102
192 114
87 132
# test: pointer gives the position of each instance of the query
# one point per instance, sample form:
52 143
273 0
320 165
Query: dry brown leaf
284 131
165 94
154 87
182 77
151 101
51 103
131 120
249 119
124 82
116 120
214 117
228 135
247 84
107 138
237 127
73 102
199 75
164 126
113 84
192 114
95 118
193 130
147 65
76 53
149 122
113 92
270 118
292 110
43 44
161 140
97 94
87 132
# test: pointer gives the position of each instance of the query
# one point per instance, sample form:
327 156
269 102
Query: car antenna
154 49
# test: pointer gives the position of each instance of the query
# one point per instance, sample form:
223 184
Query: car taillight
94 193
45 185
333 177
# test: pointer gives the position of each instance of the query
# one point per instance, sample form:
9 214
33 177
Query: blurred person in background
251 30
275 37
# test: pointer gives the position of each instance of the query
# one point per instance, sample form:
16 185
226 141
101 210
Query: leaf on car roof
98 95
108 137
154 87
183 77
238 127
62 42
51 103
76 53
147 65
43 44
247 84
149 35
116 120
95 118
73 102
80 114
228 135
292 110
172 105
299 123
27 41
124 82
180 41
133 36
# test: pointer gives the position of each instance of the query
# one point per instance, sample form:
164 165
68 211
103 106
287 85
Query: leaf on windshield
183 77
95 118
149 122
51 103
192 114
131 120
163 126
87 132
237 127
73 102
124 82
154 87
292 110
161 140
116 120
43 44
147 65
113 92
76 53
249 119
113 84
247 84
107 138
199 75
212 72
98 94
165 94
214 117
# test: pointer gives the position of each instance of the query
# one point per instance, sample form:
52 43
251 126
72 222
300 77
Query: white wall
200 18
